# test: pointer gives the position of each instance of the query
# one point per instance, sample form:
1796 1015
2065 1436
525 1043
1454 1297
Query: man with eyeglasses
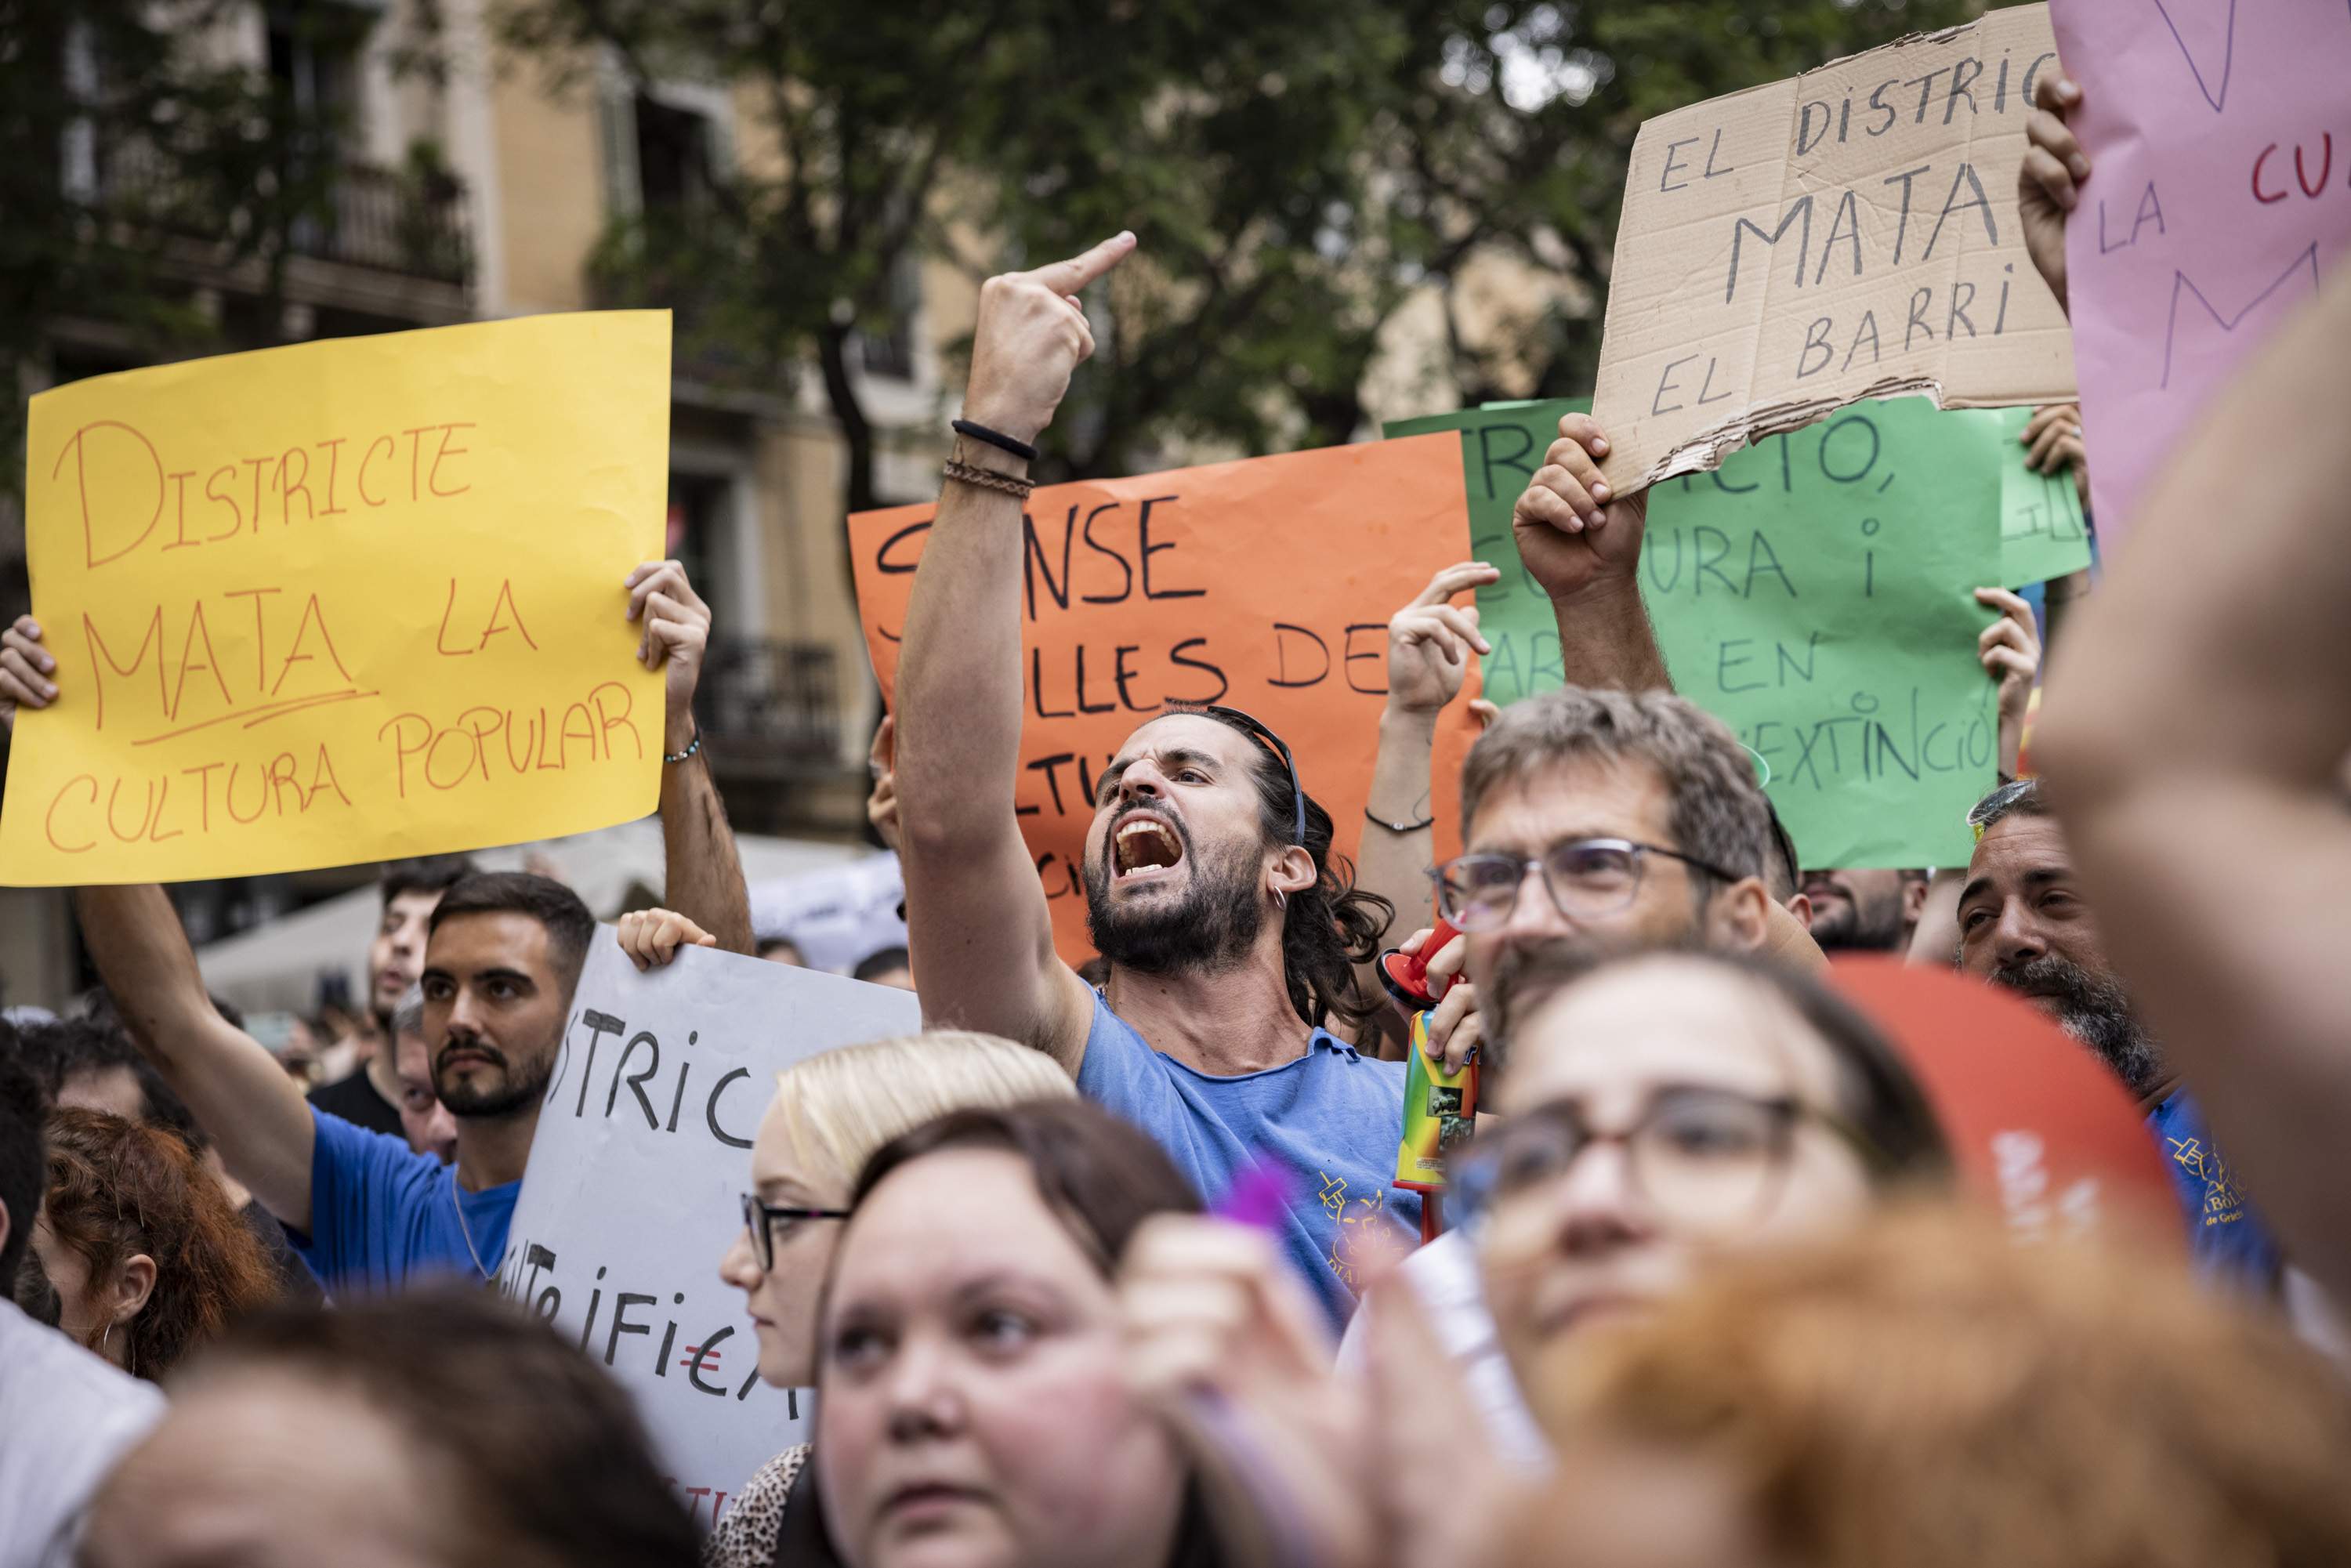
1596 821
2025 925
1211 885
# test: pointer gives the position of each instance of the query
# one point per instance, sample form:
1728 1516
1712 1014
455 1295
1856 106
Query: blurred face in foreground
782 1293
1659 1110
265 1469
971 1411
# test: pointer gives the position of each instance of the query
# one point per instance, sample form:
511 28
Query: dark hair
1326 929
1783 872
1102 1174
24 1162
770 943
547 1457
1900 1134
556 907
117 1189
429 873
1716 810
63 1048
880 963
2017 798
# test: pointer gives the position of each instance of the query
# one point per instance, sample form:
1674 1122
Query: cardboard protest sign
346 600
2218 196
633 1190
2042 531
1851 233
1264 585
1815 594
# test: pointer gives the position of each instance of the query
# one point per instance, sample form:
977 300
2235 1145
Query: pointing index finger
1070 277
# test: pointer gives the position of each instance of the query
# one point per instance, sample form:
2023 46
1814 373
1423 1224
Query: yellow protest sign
346 600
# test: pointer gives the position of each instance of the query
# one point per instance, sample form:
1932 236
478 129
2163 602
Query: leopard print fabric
745 1538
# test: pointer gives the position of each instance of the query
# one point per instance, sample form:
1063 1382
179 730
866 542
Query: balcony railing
773 705
394 221
411 222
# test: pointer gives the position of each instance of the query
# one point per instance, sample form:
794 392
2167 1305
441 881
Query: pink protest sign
2219 134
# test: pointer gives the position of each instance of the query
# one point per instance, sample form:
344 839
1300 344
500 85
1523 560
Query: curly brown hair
120 1188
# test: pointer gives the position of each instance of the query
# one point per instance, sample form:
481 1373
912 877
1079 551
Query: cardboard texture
2219 195
1815 594
1849 233
347 601
1264 585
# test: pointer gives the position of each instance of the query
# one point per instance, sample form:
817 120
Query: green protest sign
1815 594
2042 531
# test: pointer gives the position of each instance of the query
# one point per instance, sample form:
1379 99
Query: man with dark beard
501 955
1864 910
1210 885
2023 925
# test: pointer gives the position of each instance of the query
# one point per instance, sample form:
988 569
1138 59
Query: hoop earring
104 1338
1281 900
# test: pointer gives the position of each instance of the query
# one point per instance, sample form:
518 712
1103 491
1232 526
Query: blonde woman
830 1114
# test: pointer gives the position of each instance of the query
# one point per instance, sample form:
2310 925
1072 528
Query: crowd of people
1107 1265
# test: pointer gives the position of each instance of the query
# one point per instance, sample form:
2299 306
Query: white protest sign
632 1193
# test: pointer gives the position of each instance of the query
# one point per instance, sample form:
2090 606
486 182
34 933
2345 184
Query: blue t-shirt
2225 1235
1332 1119
384 1216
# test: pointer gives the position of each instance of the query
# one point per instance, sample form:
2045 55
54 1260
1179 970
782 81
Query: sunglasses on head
1257 731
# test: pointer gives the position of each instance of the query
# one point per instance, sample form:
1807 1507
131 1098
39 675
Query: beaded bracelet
688 752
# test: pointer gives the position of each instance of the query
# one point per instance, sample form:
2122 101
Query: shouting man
1210 887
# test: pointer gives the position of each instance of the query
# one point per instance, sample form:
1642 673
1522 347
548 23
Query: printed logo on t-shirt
1364 1237
2224 1202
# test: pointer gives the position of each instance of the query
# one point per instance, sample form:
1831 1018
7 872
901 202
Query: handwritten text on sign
631 1199
342 602
1265 585
1813 594
2220 192
1849 233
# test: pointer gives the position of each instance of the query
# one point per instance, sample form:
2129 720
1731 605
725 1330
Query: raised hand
676 630
651 938
1031 335
1430 640
2053 435
24 670
2049 184
2010 650
1572 532
881 804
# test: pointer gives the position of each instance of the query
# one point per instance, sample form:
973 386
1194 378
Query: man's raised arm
703 875
242 1098
1583 544
981 937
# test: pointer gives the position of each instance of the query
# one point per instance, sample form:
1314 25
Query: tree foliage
127 149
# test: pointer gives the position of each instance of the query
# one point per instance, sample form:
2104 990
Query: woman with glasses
1660 1110
829 1115
1663 1108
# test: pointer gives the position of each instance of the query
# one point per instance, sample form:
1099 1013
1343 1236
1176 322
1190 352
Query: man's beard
2094 1012
1854 929
1214 923
518 1093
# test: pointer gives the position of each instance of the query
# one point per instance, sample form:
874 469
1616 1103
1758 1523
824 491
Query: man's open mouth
1143 846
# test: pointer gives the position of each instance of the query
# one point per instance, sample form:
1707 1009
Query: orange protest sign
1265 585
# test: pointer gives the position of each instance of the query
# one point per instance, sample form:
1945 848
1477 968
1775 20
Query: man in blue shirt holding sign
504 951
